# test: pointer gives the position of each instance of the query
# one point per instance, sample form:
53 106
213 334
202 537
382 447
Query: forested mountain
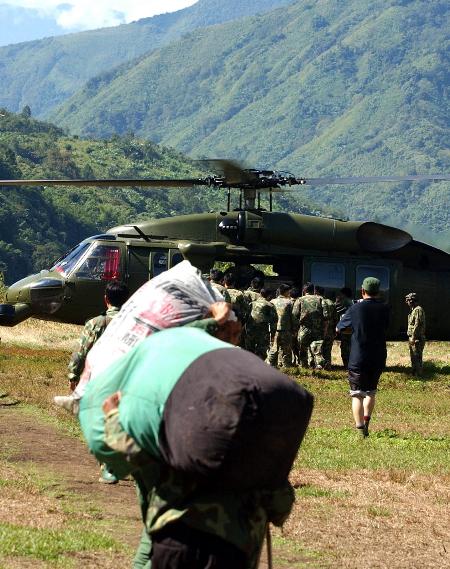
354 87
43 73
38 224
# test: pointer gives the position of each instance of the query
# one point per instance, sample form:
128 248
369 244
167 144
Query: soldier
238 302
344 299
331 320
253 292
308 312
295 293
261 325
416 333
116 294
216 279
281 349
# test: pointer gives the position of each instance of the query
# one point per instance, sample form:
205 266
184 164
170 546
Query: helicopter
329 252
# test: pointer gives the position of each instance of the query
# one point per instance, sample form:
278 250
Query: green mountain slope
319 88
44 73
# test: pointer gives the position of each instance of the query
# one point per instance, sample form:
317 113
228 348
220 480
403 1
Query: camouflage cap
411 296
371 285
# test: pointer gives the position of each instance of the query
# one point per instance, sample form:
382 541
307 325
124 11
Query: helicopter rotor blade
125 183
372 179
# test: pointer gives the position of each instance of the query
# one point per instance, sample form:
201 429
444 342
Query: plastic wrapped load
173 298
204 407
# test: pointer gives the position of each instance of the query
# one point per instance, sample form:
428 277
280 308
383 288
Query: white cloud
90 14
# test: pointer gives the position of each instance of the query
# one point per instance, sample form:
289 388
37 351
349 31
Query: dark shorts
364 382
177 546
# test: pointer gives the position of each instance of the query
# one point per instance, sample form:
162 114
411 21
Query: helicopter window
101 264
65 264
159 263
381 273
176 258
328 275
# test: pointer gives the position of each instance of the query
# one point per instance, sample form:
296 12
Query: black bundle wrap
234 422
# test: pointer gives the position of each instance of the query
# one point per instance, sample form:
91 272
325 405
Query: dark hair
283 288
216 275
229 279
257 282
346 291
319 290
308 288
295 292
116 293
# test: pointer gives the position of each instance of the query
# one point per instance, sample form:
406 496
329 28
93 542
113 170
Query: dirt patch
27 441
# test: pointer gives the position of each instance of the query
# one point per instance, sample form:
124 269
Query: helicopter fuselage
298 248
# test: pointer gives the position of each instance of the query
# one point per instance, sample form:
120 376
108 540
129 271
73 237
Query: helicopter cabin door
138 268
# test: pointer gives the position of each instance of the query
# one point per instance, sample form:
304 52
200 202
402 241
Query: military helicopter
329 252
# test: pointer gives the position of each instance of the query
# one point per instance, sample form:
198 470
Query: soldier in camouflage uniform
261 325
216 280
343 302
221 528
254 290
281 349
416 333
238 302
308 313
331 320
116 294
295 293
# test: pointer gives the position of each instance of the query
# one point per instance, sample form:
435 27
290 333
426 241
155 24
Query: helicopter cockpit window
159 263
101 264
381 273
328 275
65 264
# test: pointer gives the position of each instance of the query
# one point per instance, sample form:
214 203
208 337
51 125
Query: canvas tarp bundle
174 298
206 408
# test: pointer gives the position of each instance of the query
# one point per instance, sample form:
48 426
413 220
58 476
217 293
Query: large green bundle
204 407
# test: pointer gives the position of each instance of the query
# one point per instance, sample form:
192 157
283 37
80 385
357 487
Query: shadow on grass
431 371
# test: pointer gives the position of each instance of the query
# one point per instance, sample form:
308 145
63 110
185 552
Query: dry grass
42 334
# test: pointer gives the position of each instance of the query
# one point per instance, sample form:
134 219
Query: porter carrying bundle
204 407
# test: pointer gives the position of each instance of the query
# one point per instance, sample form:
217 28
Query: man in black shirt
369 319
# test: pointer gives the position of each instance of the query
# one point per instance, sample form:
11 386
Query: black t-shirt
369 320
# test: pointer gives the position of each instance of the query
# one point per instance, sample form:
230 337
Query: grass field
376 503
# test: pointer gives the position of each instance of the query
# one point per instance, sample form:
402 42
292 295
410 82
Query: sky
76 15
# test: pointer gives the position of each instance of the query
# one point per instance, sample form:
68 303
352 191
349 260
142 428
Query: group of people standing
291 328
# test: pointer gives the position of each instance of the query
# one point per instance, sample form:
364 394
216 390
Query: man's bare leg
358 410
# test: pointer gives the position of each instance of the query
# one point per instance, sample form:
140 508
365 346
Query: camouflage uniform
416 338
345 336
251 294
308 312
241 308
331 319
281 349
167 496
222 290
261 327
92 331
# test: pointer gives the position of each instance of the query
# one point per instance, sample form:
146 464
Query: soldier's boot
106 476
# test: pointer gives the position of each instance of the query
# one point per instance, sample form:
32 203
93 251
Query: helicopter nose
30 297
